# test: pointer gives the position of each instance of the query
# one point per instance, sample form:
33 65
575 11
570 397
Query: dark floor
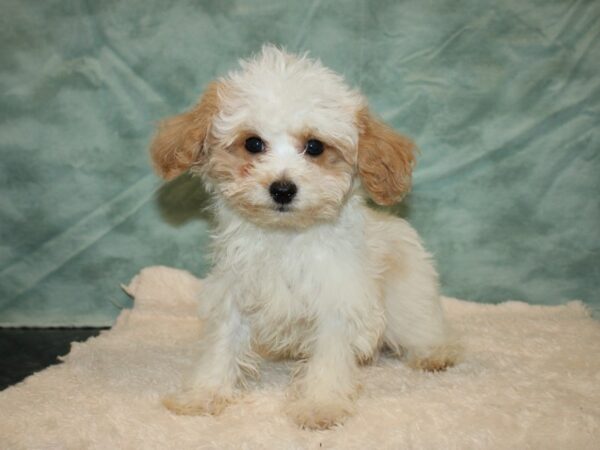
24 351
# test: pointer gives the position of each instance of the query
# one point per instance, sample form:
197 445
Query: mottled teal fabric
502 98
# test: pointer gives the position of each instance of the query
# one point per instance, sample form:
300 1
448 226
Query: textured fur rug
530 379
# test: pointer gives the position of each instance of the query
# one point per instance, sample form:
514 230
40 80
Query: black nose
283 192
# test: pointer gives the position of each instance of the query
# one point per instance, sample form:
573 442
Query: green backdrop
502 98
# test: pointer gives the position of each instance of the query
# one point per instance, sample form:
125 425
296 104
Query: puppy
302 267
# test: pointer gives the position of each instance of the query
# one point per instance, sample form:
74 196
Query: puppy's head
283 141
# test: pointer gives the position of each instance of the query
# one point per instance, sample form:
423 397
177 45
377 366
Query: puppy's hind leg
415 324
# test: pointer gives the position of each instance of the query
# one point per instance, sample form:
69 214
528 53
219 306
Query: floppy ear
179 141
385 160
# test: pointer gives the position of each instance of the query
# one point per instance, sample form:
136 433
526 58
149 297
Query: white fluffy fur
327 281
529 380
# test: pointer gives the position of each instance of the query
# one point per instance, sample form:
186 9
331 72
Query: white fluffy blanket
530 379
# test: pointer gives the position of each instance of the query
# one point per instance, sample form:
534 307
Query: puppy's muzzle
283 191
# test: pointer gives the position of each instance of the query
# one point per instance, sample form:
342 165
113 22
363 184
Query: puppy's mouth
283 208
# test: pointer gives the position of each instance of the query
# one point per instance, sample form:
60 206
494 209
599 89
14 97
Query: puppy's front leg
325 387
225 354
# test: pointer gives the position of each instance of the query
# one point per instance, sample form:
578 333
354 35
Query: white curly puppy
302 267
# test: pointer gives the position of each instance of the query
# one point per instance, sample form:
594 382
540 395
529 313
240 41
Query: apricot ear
179 140
385 160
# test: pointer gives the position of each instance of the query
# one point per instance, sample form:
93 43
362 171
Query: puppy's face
283 142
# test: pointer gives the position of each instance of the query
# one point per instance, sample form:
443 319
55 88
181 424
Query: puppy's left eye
314 147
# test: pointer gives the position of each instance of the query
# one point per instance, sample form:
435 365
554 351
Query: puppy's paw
194 402
320 414
438 359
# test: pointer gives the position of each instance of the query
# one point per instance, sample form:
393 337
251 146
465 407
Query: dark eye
314 147
254 144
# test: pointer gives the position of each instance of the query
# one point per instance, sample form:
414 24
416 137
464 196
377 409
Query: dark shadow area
401 209
184 199
24 351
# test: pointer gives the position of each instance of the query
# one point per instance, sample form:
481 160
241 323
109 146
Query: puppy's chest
290 277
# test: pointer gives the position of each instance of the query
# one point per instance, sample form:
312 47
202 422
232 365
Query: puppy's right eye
254 144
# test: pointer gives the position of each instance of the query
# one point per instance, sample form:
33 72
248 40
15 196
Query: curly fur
325 280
